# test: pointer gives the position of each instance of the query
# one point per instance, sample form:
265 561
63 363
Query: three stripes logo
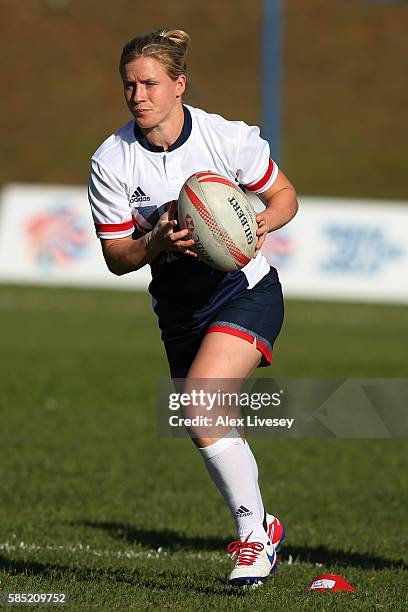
242 511
139 196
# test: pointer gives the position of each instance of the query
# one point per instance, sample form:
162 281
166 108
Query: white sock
254 466
229 466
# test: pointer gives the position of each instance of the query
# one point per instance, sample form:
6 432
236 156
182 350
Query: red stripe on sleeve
114 227
262 182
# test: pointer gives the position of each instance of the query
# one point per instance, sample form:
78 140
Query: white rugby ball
221 220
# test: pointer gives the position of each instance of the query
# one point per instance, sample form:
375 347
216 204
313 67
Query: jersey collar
185 133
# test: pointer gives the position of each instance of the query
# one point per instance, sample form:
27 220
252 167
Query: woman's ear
181 85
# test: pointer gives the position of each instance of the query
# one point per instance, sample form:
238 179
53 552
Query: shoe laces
247 551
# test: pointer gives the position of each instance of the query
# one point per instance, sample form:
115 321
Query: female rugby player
214 324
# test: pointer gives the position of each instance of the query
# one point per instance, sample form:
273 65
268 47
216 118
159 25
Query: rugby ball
221 220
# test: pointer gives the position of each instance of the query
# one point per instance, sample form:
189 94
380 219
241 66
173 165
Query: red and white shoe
276 531
255 561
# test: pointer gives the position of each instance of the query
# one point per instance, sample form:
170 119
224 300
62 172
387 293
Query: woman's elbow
294 203
114 267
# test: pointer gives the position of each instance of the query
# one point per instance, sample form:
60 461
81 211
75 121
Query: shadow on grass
155 538
173 541
329 557
162 581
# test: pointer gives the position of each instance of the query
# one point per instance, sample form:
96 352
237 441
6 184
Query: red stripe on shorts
261 346
232 331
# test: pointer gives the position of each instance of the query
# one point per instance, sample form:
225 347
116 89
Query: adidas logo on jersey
242 511
139 196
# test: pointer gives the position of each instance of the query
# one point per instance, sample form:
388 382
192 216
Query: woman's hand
164 237
123 255
264 226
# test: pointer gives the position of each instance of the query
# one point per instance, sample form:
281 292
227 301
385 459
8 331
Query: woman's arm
281 206
123 255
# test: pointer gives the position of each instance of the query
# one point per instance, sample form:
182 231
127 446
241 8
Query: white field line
161 554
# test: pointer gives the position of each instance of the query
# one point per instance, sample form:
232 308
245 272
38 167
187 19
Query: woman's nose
138 93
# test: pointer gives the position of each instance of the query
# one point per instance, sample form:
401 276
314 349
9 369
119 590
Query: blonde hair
169 47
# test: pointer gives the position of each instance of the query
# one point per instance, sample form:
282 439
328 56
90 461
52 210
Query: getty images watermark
213 408
295 407
224 405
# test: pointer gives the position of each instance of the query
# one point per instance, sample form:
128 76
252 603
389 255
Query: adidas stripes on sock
230 467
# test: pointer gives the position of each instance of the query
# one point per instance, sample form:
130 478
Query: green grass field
94 504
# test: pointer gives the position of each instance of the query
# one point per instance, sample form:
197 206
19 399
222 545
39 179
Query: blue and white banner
344 249
338 249
47 236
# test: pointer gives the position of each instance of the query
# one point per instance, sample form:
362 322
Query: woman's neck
167 132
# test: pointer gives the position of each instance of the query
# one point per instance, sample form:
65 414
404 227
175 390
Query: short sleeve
255 169
109 203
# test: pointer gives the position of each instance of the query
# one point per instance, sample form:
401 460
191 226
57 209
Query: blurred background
339 107
345 95
80 460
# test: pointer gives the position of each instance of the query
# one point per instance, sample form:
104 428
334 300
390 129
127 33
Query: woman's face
151 95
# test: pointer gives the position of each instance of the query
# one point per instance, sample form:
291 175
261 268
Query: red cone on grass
330 582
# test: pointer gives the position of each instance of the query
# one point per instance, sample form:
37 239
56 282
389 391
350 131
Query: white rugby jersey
132 183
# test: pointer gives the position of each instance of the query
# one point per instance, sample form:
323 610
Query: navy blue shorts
255 315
